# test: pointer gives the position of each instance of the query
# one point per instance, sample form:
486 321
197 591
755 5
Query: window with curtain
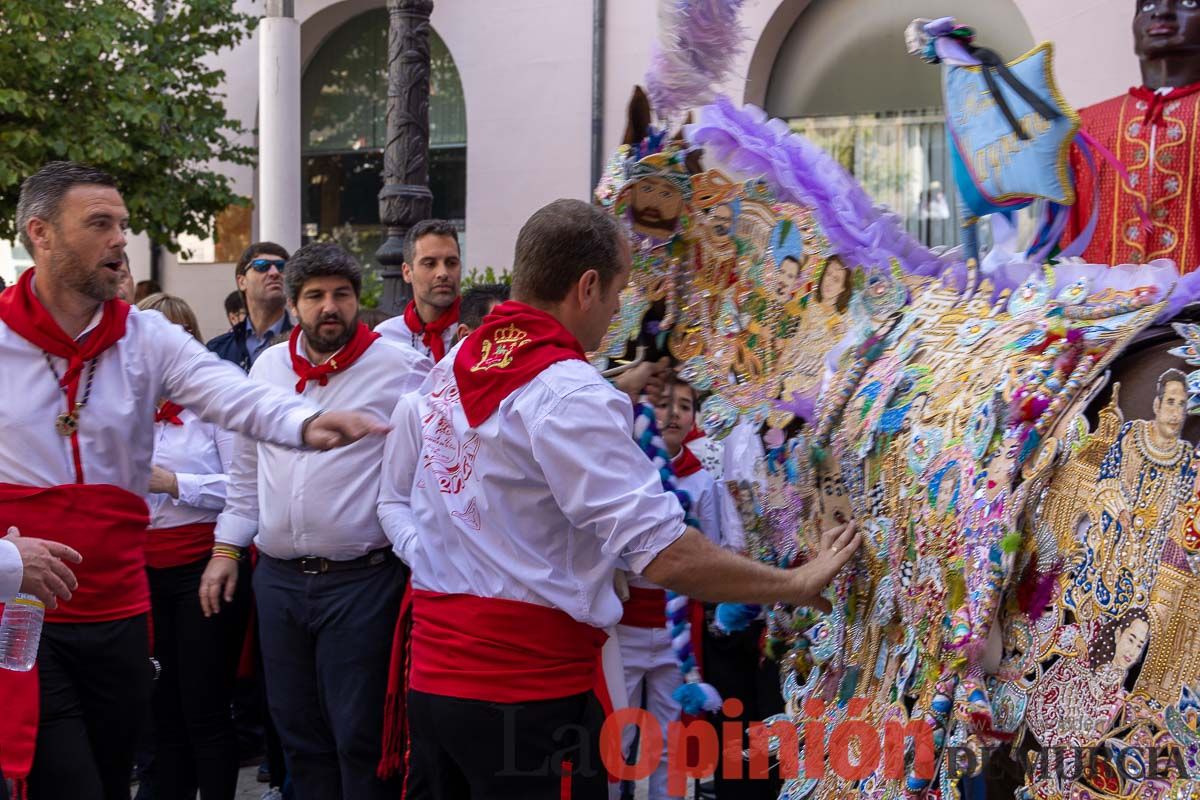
344 125
902 160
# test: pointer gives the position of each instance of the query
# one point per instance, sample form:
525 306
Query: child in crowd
651 670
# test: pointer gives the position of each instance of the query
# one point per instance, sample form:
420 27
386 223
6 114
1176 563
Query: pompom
695 698
1011 543
734 617
1036 590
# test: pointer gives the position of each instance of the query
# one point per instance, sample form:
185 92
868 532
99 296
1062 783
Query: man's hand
648 378
340 428
163 481
43 573
218 582
838 544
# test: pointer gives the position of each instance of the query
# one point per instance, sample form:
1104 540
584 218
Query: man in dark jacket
259 275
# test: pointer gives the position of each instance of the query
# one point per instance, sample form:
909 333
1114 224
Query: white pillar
279 126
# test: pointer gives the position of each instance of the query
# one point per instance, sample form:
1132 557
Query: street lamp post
405 198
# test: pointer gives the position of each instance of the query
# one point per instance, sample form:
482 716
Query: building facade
512 112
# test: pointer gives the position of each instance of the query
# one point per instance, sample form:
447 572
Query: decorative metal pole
405 198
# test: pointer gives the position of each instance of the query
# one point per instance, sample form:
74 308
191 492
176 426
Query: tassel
696 698
395 719
734 617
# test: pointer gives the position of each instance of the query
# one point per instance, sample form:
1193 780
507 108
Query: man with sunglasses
259 275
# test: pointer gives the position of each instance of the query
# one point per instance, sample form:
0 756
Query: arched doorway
343 117
842 77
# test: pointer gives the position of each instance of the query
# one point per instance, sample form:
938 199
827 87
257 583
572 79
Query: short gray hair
319 260
43 191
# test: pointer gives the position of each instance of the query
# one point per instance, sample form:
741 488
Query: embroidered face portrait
656 205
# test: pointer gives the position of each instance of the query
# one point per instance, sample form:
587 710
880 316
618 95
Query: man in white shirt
514 490
327 585
433 267
81 374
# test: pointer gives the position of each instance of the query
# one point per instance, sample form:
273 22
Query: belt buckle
312 565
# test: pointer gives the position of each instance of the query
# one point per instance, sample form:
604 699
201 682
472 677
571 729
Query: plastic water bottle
20 632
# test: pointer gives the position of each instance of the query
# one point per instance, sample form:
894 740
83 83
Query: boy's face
675 414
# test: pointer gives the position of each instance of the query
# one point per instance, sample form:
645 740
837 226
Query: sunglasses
265 264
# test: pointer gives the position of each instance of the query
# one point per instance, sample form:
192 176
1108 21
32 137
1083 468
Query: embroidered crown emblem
498 351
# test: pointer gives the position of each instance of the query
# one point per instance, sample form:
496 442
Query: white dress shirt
199 453
295 504
396 330
154 359
704 493
540 503
10 569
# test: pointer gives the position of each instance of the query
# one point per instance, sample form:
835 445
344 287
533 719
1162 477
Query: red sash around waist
106 524
501 651
645 608
174 547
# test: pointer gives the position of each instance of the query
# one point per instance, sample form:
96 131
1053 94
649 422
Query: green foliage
477 277
122 85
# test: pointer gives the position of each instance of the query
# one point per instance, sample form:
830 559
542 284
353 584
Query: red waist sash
645 608
106 524
183 544
501 651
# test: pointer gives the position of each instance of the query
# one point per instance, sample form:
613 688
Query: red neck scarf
512 345
168 412
24 313
686 463
341 360
431 333
1156 102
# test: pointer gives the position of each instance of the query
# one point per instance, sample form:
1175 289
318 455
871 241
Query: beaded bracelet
227 551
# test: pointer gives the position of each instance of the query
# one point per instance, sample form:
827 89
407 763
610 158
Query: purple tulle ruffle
801 172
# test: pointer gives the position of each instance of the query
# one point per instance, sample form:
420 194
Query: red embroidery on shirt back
450 461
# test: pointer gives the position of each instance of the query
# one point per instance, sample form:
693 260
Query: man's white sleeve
218 392
602 480
400 454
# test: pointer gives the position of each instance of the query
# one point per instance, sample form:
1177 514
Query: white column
279 126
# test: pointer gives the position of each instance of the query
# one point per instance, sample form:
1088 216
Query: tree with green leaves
123 85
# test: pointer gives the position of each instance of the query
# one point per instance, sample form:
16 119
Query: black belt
316 565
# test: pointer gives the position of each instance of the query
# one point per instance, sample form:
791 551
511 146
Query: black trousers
735 667
195 743
326 645
475 750
96 681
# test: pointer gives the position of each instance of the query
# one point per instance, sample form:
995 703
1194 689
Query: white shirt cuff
294 421
189 489
235 530
11 570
